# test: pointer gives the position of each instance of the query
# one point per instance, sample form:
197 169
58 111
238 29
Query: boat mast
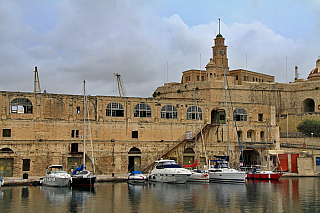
195 124
225 95
84 124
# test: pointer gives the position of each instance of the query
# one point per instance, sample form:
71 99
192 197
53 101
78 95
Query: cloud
93 40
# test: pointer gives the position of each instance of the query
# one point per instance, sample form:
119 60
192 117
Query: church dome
315 73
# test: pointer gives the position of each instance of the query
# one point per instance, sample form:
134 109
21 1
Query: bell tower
220 53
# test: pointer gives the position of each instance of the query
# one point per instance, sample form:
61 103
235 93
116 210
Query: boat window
171 165
194 112
115 110
142 110
159 166
169 111
21 105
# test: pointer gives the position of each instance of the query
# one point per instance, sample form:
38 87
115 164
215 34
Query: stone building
224 112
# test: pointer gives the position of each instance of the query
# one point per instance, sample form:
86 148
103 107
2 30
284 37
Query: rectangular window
26 165
197 78
6 133
78 110
134 134
75 133
74 147
236 77
202 78
260 117
249 134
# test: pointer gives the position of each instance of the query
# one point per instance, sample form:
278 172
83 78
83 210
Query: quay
35 180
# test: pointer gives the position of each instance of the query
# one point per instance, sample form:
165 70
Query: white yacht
56 176
198 175
168 171
222 173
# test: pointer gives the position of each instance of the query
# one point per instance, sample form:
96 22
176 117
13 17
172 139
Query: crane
120 85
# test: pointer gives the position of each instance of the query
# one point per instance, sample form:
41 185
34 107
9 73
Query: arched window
240 114
194 112
134 150
142 110
169 111
308 105
6 150
21 105
115 110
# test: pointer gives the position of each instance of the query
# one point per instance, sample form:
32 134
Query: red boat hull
266 176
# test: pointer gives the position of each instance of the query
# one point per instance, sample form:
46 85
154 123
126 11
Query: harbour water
285 195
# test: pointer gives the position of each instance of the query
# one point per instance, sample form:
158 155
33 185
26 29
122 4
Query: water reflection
79 196
286 195
134 195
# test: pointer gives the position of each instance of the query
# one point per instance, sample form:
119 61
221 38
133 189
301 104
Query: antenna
120 84
36 88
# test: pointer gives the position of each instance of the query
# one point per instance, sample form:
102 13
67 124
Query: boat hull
169 178
55 181
82 181
228 175
199 177
265 176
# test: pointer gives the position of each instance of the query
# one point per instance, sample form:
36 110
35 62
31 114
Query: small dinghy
136 177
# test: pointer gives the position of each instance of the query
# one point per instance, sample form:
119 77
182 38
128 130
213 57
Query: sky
149 42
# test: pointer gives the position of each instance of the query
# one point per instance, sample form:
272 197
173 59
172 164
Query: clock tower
220 53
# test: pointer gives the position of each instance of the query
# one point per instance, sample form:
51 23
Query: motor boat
222 173
168 171
198 175
56 176
264 175
137 177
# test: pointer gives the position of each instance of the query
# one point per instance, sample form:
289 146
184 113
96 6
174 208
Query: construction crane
120 85
36 81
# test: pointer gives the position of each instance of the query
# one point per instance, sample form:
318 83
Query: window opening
260 117
194 112
74 133
78 110
115 110
134 134
6 133
74 147
169 111
21 105
142 110
26 165
240 114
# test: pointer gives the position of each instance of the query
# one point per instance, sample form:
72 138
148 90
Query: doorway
251 157
134 159
6 167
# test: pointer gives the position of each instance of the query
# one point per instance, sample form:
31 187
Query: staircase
182 143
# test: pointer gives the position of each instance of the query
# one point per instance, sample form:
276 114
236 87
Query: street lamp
312 143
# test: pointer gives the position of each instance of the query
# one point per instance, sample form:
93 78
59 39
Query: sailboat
222 171
197 175
80 176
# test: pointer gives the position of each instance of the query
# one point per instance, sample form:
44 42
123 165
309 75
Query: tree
309 126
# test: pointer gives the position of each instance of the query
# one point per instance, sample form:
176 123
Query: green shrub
309 126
